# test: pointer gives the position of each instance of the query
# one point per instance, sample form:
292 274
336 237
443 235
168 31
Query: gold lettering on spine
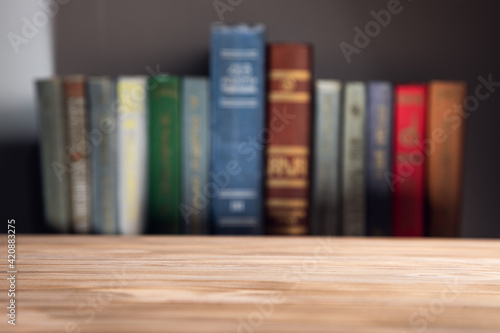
380 163
287 80
295 74
287 183
165 92
165 123
287 165
196 188
195 144
289 230
382 122
288 150
409 136
287 203
195 159
290 96
381 139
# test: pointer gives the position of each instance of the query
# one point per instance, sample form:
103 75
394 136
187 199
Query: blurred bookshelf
449 40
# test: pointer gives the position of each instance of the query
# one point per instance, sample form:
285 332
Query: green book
164 154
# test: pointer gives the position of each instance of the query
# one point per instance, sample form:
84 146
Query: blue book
195 153
103 156
378 157
325 203
237 76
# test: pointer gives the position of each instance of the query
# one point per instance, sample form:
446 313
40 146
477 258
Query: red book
408 178
287 152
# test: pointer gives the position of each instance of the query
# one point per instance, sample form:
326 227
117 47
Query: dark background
453 39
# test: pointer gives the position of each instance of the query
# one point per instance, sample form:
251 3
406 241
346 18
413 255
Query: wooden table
252 284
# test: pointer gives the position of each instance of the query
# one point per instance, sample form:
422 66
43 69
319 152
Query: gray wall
448 39
20 196
19 66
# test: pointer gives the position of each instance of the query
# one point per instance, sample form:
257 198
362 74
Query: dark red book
288 145
408 178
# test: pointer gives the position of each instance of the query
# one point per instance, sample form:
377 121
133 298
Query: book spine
237 84
164 154
445 132
132 154
288 149
378 158
195 152
103 155
353 154
76 108
325 200
55 178
407 179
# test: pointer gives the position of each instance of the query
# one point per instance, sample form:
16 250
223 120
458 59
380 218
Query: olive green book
164 154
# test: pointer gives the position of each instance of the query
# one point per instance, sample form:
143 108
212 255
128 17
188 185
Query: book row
259 147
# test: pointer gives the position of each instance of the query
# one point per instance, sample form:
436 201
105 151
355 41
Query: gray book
325 203
353 154
103 154
55 171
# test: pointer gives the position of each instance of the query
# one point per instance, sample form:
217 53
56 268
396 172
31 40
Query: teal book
195 153
54 140
103 155
164 202
325 196
353 157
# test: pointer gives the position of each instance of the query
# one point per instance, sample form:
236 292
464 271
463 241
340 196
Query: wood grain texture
253 284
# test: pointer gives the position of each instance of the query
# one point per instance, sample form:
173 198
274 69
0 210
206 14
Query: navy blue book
235 183
379 153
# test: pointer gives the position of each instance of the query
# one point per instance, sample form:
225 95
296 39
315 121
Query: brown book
288 145
78 152
445 139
